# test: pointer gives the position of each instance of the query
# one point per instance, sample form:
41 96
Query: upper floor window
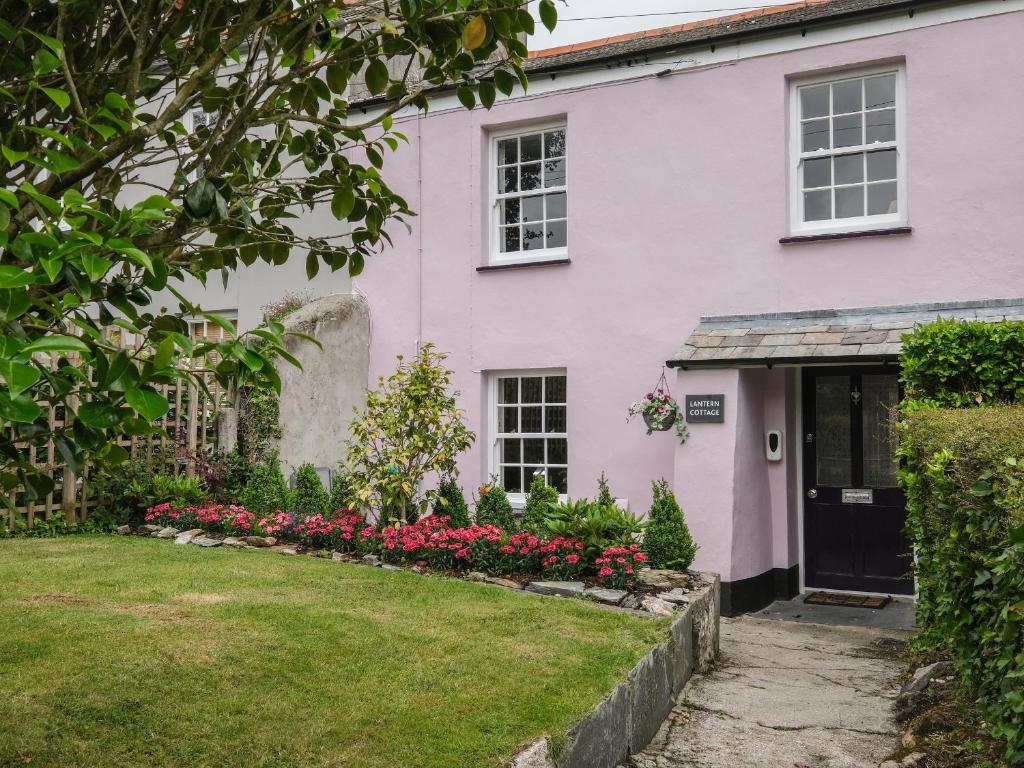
529 191
848 146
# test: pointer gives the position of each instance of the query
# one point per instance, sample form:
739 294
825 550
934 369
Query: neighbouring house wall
677 199
317 401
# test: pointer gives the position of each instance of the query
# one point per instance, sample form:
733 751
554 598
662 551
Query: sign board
705 408
858 496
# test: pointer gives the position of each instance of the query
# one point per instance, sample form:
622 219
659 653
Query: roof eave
770 362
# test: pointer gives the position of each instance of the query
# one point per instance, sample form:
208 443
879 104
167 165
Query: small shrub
538 504
451 503
667 539
224 475
125 491
597 526
179 490
341 492
494 508
309 497
604 493
266 491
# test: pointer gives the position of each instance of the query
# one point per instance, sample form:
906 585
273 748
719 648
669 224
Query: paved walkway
786 695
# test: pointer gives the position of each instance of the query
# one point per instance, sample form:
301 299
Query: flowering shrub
616 566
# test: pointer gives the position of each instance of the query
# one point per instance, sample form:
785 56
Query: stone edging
628 718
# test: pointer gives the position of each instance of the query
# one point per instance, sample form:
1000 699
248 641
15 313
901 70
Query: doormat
847 601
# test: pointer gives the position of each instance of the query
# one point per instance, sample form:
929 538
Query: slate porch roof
866 334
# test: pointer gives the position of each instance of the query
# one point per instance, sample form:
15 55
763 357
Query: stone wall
629 717
317 401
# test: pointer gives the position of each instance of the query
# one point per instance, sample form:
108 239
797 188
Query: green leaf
548 14
200 199
487 94
504 81
18 376
44 62
342 203
312 265
95 266
13 303
377 76
465 95
50 42
12 156
100 415
147 402
164 353
55 343
59 97
14 277
22 409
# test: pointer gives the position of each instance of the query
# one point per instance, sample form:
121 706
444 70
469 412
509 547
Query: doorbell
773 445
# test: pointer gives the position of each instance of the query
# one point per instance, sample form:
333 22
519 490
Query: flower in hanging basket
660 412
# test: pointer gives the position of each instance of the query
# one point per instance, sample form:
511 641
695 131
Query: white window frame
495 256
230 315
860 223
190 126
518 500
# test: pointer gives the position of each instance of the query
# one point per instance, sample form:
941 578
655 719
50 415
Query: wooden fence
188 429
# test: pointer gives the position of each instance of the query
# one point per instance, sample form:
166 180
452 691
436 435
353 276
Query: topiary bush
538 504
494 508
266 492
450 502
308 497
960 364
667 539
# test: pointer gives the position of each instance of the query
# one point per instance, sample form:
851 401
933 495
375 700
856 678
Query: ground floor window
531 430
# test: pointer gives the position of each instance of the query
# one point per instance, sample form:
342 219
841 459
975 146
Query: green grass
137 652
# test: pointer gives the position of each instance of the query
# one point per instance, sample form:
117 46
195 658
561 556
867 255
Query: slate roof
821 336
761 20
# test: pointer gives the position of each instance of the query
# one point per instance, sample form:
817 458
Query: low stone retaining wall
629 717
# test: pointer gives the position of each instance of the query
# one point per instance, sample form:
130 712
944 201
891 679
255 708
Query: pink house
763 204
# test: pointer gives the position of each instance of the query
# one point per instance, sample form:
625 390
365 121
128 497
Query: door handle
812 493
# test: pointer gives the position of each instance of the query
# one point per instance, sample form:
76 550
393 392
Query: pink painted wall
677 199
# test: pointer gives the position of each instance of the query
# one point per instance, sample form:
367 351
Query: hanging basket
658 421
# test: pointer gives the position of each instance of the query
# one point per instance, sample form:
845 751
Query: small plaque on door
858 496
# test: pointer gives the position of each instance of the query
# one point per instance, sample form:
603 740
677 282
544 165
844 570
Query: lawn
136 652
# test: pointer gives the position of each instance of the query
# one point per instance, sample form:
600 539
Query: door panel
853 540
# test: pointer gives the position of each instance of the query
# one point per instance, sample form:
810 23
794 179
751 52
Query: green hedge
965 503
964 363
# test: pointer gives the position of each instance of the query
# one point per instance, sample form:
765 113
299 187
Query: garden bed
130 651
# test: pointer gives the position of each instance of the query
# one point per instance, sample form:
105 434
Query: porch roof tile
867 333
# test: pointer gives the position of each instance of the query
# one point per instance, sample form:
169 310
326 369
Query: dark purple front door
854 511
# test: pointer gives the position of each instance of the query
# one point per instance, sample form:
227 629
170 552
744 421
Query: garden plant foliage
667 538
963 473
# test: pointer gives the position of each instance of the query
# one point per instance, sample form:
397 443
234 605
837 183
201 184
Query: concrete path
786 695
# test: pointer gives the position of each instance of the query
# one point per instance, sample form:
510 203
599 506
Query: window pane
530 147
815 135
882 165
510 453
832 431
533 237
882 198
531 419
554 389
512 479
533 451
849 169
818 205
555 205
880 92
532 389
814 101
509 210
817 173
530 176
508 180
846 131
533 208
881 126
510 239
849 202
554 143
508 420
554 173
558 478
558 450
846 97
508 151
508 390
554 418
528 473
880 396
556 234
